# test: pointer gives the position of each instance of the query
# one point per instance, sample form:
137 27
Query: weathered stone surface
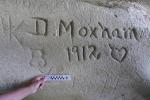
103 44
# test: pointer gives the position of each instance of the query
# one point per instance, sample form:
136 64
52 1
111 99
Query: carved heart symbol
118 54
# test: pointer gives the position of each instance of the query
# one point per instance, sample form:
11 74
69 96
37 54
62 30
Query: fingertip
41 88
44 79
39 77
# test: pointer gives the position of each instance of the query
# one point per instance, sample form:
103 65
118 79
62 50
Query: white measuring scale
56 77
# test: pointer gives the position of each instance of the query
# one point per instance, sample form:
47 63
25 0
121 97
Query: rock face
103 45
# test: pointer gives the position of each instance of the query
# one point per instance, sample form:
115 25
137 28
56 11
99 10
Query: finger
42 86
43 83
44 78
40 83
39 77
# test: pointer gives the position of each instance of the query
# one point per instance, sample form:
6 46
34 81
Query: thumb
40 83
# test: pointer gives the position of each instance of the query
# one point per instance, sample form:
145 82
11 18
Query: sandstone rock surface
104 45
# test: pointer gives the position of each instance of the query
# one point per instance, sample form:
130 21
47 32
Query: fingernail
42 77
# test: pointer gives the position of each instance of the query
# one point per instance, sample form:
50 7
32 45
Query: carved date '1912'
83 53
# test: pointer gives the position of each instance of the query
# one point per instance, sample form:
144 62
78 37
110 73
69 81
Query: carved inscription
41 26
75 52
95 32
116 33
105 31
131 33
37 59
119 54
63 28
6 25
83 53
83 31
99 30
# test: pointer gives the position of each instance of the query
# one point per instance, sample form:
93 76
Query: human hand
37 83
